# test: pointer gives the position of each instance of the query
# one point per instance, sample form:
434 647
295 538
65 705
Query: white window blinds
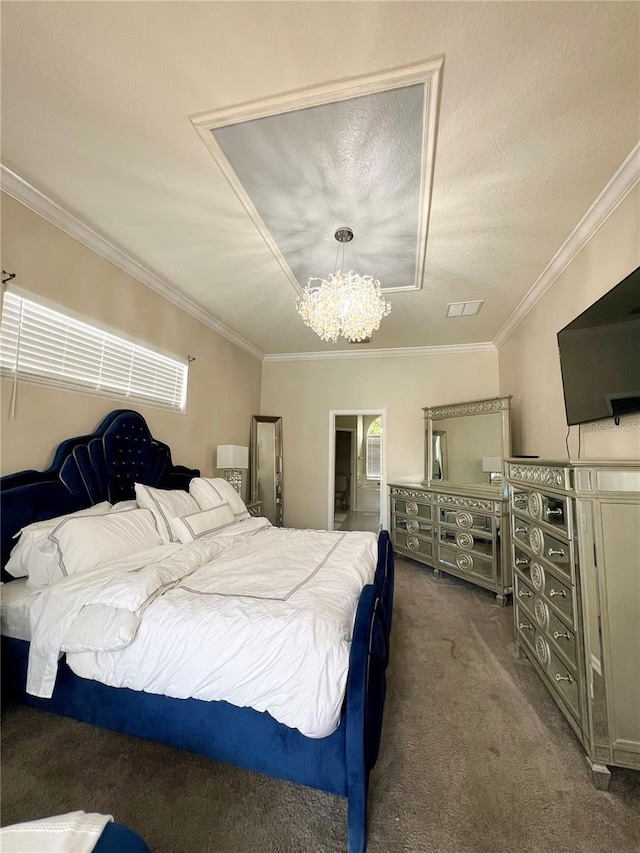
41 345
373 457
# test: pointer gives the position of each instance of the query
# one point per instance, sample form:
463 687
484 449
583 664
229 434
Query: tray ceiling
539 107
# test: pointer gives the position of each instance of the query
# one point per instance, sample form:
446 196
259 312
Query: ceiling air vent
464 309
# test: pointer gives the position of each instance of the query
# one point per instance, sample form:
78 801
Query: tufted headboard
88 469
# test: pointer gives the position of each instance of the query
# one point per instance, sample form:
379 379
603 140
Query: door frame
384 507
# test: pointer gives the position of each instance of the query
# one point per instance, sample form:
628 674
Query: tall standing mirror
466 443
265 464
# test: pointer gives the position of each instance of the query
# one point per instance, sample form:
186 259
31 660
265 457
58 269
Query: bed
104 466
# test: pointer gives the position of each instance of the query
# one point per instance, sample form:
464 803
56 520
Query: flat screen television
600 356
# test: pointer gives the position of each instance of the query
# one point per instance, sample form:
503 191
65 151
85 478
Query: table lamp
232 460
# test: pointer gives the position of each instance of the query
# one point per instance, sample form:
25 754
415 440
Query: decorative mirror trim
433 415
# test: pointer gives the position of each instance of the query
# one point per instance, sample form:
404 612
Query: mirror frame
477 408
253 467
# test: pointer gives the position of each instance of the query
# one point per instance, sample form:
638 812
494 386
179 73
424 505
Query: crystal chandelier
346 304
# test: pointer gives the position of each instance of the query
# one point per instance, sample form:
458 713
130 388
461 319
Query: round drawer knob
537 576
535 505
542 613
542 650
464 519
412 508
536 540
464 562
464 540
412 543
413 526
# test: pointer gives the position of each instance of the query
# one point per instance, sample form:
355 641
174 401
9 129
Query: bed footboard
366 691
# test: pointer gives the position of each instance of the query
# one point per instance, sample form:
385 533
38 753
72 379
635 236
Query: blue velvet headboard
88 469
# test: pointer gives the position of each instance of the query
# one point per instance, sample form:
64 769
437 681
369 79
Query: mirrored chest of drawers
455 532
575 552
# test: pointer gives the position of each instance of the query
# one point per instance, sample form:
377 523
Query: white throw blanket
261 619
76 832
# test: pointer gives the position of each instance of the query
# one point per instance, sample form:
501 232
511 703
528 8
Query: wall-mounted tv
600 356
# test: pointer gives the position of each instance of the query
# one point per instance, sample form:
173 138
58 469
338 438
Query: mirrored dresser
575 556
455 521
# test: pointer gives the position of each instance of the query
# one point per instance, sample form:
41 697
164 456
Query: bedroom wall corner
224 381
528 360
304 392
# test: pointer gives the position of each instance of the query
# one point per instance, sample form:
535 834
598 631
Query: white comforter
262 618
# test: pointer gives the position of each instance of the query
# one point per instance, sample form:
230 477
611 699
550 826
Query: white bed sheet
266 624
16 600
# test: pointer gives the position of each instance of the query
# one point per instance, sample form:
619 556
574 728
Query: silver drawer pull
557 511
554 592
521 529
524 593
521 562
524 625
568 678
555 552
558 634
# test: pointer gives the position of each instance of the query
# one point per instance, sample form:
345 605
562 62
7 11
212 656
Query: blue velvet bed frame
104 466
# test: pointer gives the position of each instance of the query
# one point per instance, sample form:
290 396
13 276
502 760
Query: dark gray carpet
475 758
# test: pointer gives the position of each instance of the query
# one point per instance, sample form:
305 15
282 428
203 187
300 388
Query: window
373 449
42 345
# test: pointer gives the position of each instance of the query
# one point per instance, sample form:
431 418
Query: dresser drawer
522 562
419 526
525 626
524 595
462 561
467 520
554 551
412 544
563 682
564 640
520 530
560 598
551 509
414 509
467 541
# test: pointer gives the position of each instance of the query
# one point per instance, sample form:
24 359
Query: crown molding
620 185
397 352
35 200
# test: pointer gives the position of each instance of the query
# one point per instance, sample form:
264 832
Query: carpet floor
475 758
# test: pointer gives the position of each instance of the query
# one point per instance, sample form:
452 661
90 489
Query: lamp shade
232 456
491 464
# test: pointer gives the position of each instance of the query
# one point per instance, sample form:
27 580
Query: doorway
357 470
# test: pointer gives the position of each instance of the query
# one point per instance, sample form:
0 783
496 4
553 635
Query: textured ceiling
539 107
356 162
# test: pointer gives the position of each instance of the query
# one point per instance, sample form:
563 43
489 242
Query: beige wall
224 381
529 363
304 392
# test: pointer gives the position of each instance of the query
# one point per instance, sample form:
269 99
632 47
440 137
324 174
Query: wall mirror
466 443
265 465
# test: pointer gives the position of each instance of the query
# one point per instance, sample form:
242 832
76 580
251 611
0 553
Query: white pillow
83 544
123 506
210 493
203 523
165 504
34 550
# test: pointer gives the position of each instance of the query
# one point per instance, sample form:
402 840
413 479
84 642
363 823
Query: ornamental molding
475 407
538 474
408 493
473 503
